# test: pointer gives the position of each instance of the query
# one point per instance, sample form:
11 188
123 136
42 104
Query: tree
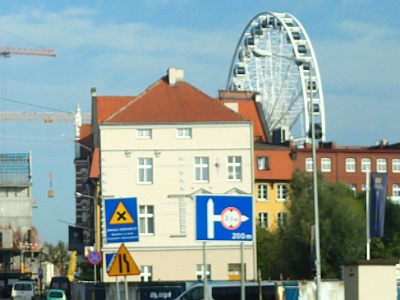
342 230
58 255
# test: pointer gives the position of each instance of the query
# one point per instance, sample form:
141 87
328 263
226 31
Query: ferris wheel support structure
274 57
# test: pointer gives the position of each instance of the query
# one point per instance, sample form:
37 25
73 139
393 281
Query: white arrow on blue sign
224 218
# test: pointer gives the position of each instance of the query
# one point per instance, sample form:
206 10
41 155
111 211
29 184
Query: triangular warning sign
121 216
123 264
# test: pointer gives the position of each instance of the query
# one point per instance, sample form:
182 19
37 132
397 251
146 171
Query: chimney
175 75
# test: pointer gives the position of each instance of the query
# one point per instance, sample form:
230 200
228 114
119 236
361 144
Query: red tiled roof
163 103
107 105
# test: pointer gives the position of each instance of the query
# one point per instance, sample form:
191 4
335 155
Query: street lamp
311 110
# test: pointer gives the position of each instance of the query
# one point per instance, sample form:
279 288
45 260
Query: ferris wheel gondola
275 58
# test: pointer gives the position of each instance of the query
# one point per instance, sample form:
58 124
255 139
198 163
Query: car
232 290
56 295
61 283
23 290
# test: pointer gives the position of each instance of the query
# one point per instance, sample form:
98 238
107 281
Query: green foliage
342 231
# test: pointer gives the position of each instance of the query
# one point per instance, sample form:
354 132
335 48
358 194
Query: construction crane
7 51
46 117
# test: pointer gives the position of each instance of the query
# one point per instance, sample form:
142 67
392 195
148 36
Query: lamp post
310 88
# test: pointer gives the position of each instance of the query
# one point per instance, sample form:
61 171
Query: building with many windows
163 147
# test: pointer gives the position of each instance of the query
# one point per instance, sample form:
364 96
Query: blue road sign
224 218
121 220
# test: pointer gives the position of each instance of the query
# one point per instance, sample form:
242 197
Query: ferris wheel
275 58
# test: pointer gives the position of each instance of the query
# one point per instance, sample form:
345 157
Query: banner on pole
377 206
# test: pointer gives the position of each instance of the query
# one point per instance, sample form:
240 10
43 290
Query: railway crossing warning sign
122 264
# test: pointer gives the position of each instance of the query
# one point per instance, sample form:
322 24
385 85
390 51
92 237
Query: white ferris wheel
275 58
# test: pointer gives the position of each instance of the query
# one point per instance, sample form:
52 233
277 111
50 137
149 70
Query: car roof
56 290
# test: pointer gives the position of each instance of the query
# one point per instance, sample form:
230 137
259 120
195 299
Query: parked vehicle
23 290
232 291
61 283
56 295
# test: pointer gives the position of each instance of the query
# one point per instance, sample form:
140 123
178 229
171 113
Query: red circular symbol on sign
231 218
94 257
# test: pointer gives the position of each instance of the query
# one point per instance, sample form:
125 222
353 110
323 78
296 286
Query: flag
75 239
377 204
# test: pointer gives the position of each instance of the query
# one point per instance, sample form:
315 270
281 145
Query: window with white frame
396 165
146 219
200 271
350 165
365 165
353 187
184 133
309 164
281 192
201 169
381 165
282 218
263 162
396 189
263 220
146 273
144 133
145 170
326 164
234 168
262 192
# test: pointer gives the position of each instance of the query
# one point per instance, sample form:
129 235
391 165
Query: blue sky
122 47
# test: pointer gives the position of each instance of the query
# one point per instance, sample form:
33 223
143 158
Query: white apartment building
163 147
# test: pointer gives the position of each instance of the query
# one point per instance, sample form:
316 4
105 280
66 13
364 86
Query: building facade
164 147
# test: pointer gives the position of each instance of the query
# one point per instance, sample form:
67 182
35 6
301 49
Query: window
326 164
184 133
84 216
363 187
145 170
146 273
353 187
200 271
144 133
396 189
365 165
282 192
309 164
201 169
263 220
234 271
396 165
234 168
263 162
146 219
282 218
381 165
350 165
262 192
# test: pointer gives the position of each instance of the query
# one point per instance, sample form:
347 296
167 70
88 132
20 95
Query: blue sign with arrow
224 218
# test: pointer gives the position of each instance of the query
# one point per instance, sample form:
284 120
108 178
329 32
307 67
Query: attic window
263 162
143 133
184 133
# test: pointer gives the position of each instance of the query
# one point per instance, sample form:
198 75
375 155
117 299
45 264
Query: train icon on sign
224 217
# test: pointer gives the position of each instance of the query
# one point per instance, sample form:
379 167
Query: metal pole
205 294
316 209
242 276
367 213
126 289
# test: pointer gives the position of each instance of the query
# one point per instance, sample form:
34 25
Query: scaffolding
15 170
